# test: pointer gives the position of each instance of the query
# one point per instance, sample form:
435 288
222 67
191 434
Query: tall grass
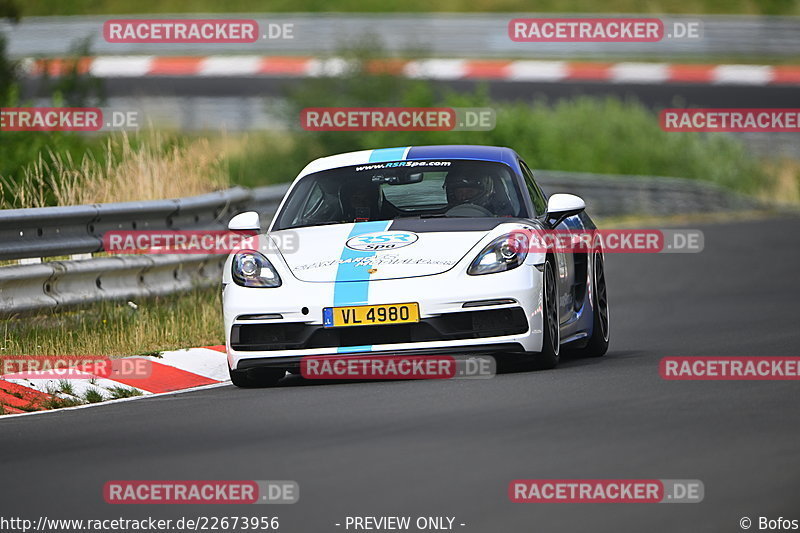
116 329
146 167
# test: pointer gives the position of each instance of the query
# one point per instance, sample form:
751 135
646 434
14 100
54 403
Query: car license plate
370 315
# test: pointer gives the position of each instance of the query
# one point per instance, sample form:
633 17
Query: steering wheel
468 210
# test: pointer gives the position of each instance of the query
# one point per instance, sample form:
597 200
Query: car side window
537 196
312 206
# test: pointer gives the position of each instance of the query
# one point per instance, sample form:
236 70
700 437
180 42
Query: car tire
256 377
597 346
551 337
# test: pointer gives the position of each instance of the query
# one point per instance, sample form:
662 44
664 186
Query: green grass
123 392
65 387
114 329
19 150
30 408
73 169
604 136
584 134
93 396
90 396
108 7
60 403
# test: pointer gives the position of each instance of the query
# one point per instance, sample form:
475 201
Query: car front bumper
446 325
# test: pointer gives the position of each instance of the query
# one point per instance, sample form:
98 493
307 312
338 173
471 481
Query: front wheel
598 342
256 377
551 338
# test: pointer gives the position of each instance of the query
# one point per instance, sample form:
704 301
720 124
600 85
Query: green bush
18 150
584 134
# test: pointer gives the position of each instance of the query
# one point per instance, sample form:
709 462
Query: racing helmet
360 200
461 189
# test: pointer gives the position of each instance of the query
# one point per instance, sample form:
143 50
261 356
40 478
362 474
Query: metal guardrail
55 231
65 284
609 195
451 35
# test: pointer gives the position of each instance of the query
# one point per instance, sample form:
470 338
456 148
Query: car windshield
402 189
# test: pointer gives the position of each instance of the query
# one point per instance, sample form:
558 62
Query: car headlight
252 269
504 253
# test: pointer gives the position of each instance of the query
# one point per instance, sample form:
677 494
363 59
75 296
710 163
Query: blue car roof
380 155
463 151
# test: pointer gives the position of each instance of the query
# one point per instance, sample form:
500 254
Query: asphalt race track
451 448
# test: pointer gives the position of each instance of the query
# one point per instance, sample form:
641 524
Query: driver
360 201
463 189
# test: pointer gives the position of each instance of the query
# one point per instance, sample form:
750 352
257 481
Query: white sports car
407 251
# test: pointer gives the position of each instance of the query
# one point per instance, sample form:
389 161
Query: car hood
378 250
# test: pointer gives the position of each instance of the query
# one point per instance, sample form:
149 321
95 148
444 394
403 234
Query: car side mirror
561 206
249 220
